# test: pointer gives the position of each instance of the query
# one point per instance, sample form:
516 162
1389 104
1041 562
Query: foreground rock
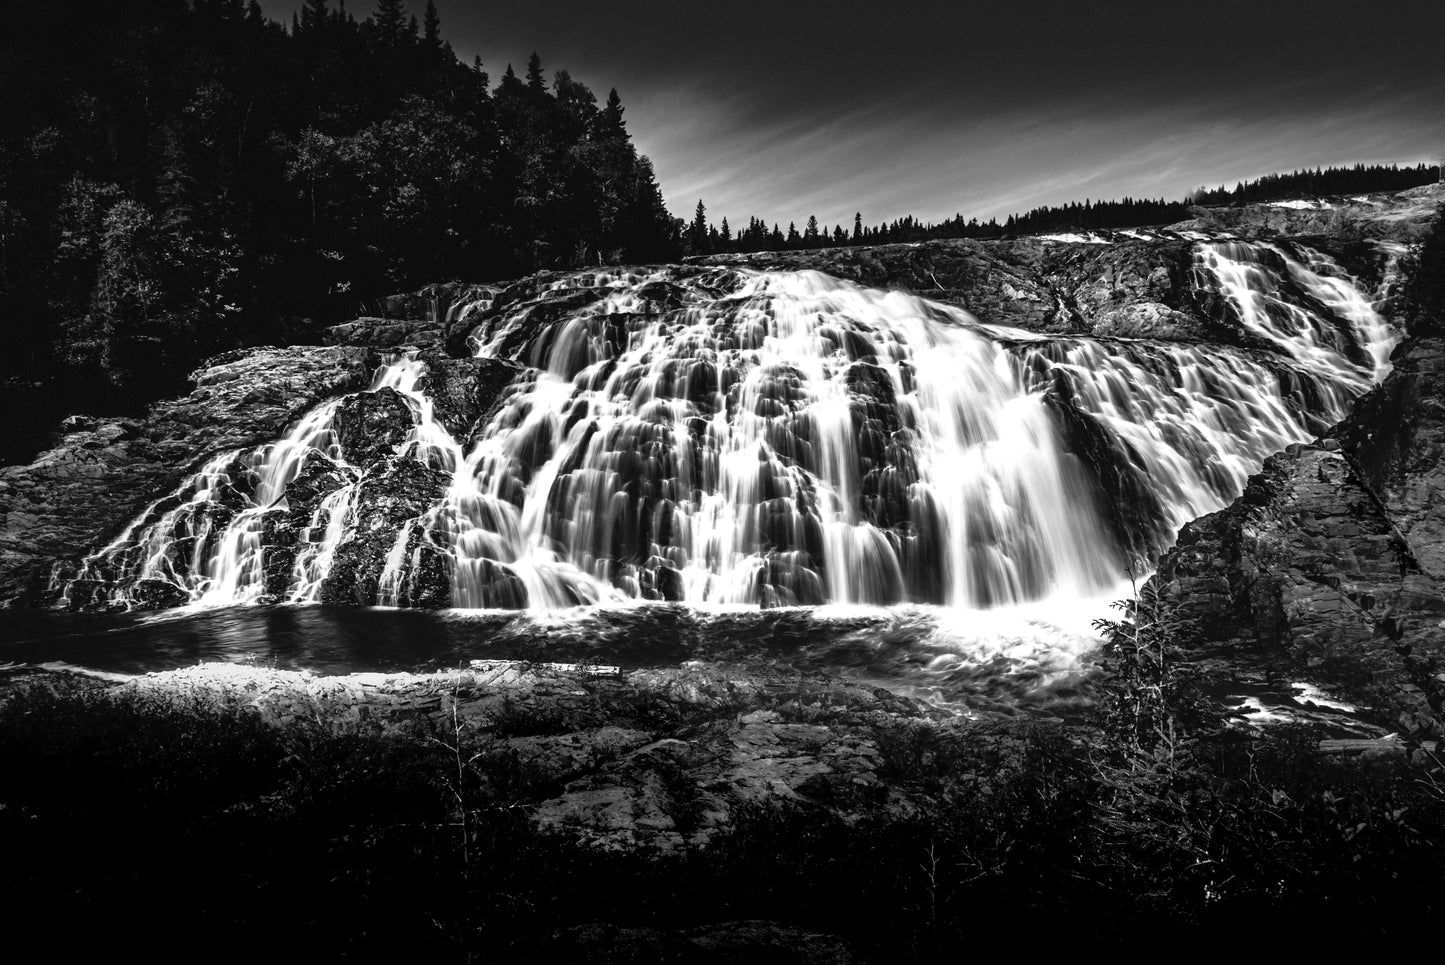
660 758
741 942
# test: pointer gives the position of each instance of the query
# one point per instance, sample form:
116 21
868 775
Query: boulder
389 505
372 426
466 391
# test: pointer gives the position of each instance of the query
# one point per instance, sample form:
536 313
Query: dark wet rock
747 942
1132 289
436 317
385 333
1126 496
88 594
389 505
439 302
662 582
464 392
81 493
724 943
157 595
300 520
372 426
1395 439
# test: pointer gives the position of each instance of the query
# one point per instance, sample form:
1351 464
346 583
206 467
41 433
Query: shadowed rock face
1396 442
1331 561
465 390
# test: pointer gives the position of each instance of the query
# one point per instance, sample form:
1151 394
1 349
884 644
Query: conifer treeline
178 178
703 237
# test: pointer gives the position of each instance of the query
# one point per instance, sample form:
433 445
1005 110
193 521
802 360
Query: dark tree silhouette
536 81
180 179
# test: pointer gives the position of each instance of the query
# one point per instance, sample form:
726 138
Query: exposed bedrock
1332 559
660 758
1134 288
1400 216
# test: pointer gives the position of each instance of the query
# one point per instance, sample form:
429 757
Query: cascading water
1349 343
725 437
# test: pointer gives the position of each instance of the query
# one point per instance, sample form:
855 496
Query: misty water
777 469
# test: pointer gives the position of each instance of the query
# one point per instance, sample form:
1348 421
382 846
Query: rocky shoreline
520 811
657 758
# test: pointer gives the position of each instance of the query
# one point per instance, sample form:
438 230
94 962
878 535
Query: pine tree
810 233
536 82
314 16
390 19
612 116
432 25
857 226
510 84
697 233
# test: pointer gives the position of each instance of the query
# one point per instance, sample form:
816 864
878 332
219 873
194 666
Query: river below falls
1035 658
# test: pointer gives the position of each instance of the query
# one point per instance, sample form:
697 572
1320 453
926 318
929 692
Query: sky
788 109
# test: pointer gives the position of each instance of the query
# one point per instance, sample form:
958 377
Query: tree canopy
181 178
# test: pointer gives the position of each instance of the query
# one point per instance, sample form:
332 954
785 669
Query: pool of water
1012 660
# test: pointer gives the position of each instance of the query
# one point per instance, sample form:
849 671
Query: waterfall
729 437
1350 341
313 561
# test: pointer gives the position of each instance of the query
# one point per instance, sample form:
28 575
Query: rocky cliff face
1331 563
1136 288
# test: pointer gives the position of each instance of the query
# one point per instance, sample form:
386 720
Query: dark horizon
940 109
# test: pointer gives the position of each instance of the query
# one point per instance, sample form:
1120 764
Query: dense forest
703 237
181 178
